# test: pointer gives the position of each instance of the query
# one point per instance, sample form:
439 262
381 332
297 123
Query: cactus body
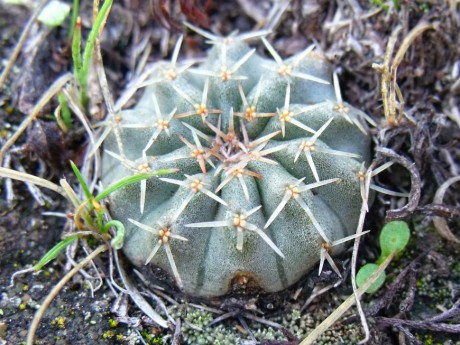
268 160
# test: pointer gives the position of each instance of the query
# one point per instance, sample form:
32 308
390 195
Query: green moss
151 339
113 323
59 321
108 334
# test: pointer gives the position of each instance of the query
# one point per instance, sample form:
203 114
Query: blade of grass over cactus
130 180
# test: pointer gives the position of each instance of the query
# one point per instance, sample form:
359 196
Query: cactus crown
269 159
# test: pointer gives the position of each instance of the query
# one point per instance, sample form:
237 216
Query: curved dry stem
416 185
440 223
55 291
389 87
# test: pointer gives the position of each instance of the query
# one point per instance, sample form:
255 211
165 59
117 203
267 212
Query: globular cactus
269 159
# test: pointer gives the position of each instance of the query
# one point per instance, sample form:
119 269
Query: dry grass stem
346 305
389 87
139 300
55 291
355 298
354 258
21 176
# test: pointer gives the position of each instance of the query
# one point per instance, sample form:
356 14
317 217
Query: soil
353 35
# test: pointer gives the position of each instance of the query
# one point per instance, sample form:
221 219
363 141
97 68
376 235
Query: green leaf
365 272
130 180
82 74
54 252
394 236
64 121
80 179
75 9
54 13
76 46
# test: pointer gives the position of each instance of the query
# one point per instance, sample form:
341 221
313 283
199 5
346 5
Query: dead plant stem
21 176
354 258
346 305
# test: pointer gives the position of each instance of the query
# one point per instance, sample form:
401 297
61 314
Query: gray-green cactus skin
269 160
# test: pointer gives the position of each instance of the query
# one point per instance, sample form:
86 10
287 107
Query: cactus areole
269 161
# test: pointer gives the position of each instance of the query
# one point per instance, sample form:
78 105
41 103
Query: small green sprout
75 8
90 215
82 62
385 6
53 15
393 238
54 252
62 114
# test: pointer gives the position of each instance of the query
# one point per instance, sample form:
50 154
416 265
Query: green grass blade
64 121
81 180
88 53
54 252
75 10
130 180
76 47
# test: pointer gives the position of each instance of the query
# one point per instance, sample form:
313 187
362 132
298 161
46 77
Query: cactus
269 161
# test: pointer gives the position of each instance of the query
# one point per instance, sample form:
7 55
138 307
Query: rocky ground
353 35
